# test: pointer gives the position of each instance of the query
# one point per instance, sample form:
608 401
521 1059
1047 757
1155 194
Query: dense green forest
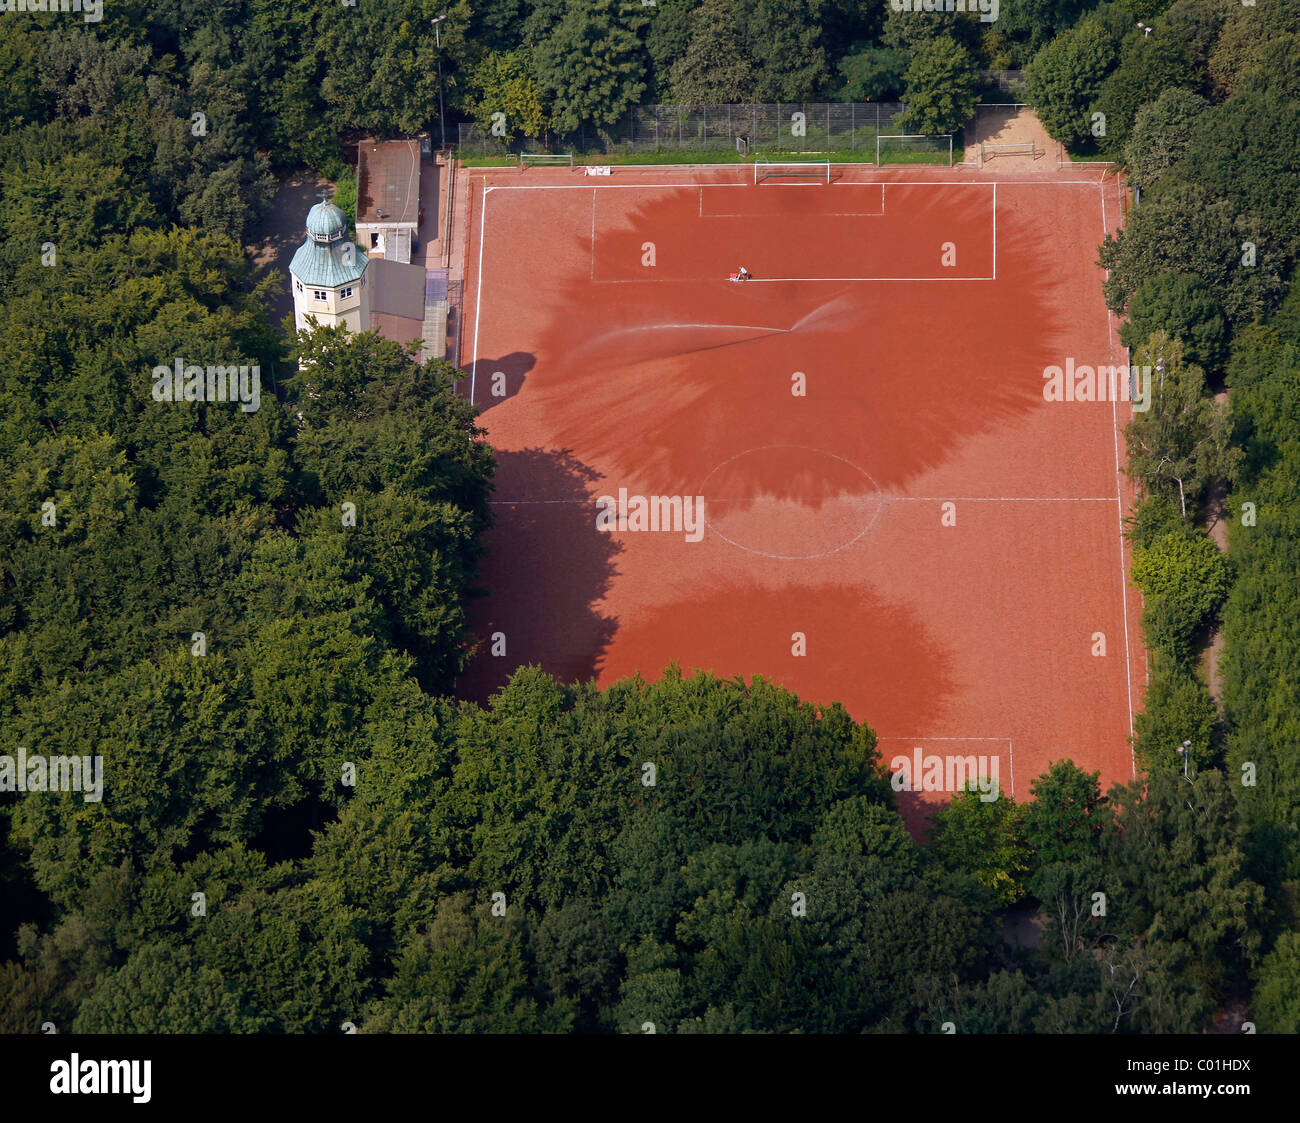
257 617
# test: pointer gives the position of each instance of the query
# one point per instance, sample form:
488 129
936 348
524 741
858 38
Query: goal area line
919 742
815 172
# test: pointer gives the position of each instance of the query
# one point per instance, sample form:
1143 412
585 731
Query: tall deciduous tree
1181 443
1162 130
503 82
592 65
939 87
1181 305
1180 873
984 838
1148 64
715 66
1181 227
1065 77
784 38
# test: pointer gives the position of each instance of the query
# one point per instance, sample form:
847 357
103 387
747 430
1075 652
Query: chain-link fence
782 127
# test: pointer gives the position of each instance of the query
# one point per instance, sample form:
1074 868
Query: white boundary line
788 280
822 214
838 183
1117 499
995 230
1011 750
478 297
1119 510
884 498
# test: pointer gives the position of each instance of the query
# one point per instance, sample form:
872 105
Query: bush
940 87
1186 571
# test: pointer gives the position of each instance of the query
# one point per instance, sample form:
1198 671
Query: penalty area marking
821 214
1011 749
787 280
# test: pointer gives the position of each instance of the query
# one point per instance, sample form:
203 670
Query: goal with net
1021 148
819 170
545 160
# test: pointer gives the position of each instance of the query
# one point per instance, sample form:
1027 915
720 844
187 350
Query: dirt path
1217 528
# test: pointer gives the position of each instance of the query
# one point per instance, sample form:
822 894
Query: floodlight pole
1184 751
437 35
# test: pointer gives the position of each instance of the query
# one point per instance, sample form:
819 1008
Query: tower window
346 294
299 284
319 294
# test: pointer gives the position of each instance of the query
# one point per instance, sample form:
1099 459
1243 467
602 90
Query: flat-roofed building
388 198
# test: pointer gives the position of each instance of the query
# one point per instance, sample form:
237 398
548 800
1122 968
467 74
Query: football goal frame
765 169
545 160
1020 148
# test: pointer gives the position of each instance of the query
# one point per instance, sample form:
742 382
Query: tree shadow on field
499 380
545 570
901 376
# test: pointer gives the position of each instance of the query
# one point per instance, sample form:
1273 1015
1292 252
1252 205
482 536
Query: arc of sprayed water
840 303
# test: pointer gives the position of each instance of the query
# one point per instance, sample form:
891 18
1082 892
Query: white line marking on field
1011 749
864 183
478 299
1119 512
884 498
995 231
779 280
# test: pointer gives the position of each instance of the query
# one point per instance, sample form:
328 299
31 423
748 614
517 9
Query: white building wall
352 311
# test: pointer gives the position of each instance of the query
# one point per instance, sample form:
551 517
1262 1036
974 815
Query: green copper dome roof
326 221
328 258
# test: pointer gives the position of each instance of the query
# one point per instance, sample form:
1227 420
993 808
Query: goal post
765 169
914 148
1021 148
545 160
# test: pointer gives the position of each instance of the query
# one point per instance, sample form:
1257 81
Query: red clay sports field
918 534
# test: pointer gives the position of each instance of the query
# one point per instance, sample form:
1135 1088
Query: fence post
704 112
853 130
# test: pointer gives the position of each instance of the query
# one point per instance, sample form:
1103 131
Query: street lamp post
1185 752
442 124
